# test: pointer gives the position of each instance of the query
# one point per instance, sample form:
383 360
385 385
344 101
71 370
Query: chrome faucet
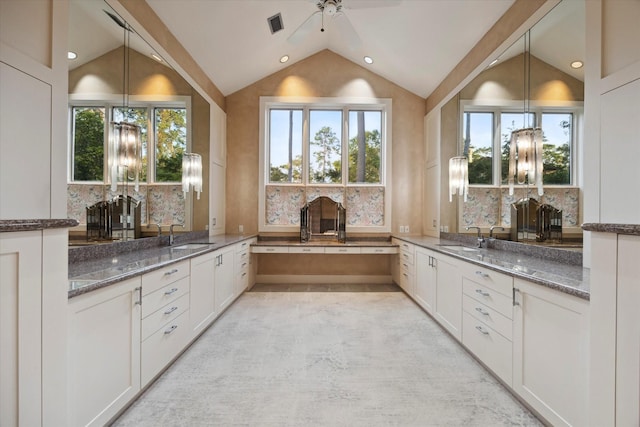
480 237
159 228
492 228
171 237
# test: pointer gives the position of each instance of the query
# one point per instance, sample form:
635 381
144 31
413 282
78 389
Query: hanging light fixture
525 158
125 153
191 173
458 177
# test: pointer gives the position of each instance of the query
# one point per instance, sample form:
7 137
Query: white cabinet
224 277
165 318
104 352
242 269
426 276
487 318
202 292
407 268
449 295
550 353
217 199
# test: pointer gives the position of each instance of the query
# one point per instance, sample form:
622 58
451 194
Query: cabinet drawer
242 281
157 279
404 246
500 323
407 281
384 250
161 347
406 257
332 250
306 250
243 256
159 318
501 303
158 299
492 279
242 265
490 347
269 249
244 246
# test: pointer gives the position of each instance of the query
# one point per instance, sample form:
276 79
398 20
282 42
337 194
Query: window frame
306 104
575 108
115 101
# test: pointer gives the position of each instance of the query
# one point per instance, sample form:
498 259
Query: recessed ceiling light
494 62
71 55
577 64
368 60
156 57
284 59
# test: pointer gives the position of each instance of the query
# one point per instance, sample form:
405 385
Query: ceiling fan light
330 8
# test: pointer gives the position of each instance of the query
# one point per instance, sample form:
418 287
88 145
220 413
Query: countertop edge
630 229
13 225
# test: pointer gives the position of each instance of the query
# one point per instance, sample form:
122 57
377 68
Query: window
325 147
88 143
325 142
165 137
489 153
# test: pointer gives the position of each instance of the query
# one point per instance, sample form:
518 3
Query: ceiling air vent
275 23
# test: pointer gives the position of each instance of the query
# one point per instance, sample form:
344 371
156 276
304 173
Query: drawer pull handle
379 250
481 329
483 275
171 329
244 274
171 291
171 310
342 250
306 250
169 273
405 275
244 264
483 293
270 249
481 311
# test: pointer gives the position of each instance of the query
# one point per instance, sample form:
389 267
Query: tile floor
293 356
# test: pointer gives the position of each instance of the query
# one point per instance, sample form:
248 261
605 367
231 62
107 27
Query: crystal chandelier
191 173
125 153
525 158
458 177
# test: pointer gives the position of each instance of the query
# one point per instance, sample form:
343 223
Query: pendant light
191 173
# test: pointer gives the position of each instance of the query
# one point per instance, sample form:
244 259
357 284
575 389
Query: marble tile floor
307 358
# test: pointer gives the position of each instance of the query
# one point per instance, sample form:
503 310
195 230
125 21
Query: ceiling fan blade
346 31
368 4
313 22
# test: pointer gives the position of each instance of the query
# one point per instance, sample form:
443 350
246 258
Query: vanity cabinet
407 268
448 310
165 317
104 352
550 352
487 326
242 260
224 278
202 306
426 277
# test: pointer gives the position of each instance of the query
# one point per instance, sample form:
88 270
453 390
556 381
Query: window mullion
306 140
345 147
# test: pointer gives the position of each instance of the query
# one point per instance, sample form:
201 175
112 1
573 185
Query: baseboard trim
317 278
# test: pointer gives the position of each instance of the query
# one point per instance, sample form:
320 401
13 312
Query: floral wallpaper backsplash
164 202
364 205
492 206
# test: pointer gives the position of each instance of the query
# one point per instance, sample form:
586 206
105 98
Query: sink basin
458 248
190 246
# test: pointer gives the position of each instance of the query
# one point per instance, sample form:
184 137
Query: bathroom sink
190 246
458 248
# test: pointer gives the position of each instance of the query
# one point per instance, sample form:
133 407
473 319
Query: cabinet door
425 280
449 295
104 352
20 328
202 292
224 278
216 199
550 353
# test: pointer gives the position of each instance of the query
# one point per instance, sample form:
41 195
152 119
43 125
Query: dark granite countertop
88 275
9 225
631 229
564 277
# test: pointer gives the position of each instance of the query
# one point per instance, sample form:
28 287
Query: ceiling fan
333 11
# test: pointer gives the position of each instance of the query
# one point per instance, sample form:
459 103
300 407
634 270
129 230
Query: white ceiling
414 43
